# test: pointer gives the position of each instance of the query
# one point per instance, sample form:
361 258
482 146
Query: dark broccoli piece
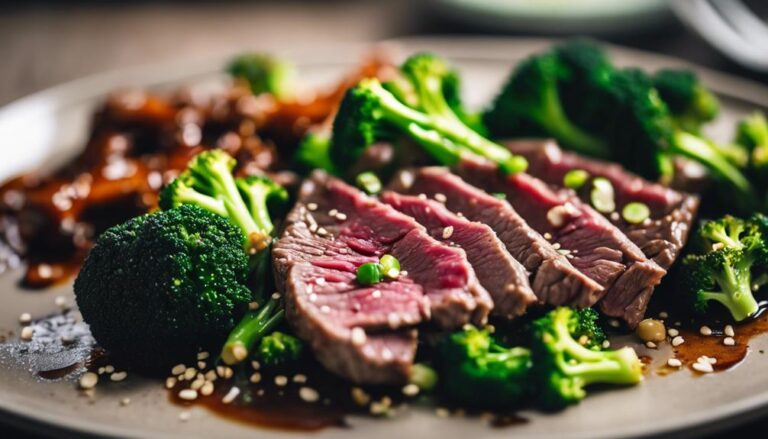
531 99
370 113
479 372
563 366
690 103
159 287
264 74
279 349
314 152
752 135
731 255
208 183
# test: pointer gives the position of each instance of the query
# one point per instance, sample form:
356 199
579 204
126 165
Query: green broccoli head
690 103
531 97
314 153
279 349
477 371
156 288
727 231
563 366
752 135
264 74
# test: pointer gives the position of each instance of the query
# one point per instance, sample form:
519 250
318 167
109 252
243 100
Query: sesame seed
556 246
299 378
109 368
703 367
197 384
729 331
88 380
101 370
650 345
27 333
320 281
125 401
308 394
729 341
118 376
556 216
255 365
255 377
674 362
207 388
253 306
170 382
281 380
705 330
376 294
410 390
442 412
188 394
276 295
358 336
360 397
178 369
231 395
312 206
325 309
313 297
321 231
201 365
333 212
185 416
403 273
61 302
614 323
211 375
190 373
447 232
547 236
663 315
673 332
441 197
25 318
606 344
203 355
341 216
677 341
422 196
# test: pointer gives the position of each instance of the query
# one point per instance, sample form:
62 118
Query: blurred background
43 43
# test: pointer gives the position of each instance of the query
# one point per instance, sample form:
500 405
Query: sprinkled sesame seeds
441 197
170 382
650 345
300 378
207 388
211 375
281 380
358 336
118 376
705 330
203 355
178 369
255 365
410 390
125 401
674 362
376 294
27 333
703 367
190 373
547 236
673 332
255 378
729 331
231 395
25 318
341 216
321 231
312 206
325 309
88 380
447 232
729 341
333 212
308 394
201 365
422 196
606 344
663 315
677 341
360 397
188 394
442 412
197 384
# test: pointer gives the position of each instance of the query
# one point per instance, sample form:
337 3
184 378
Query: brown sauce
58 373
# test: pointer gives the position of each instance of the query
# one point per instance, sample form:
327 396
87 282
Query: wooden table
45 44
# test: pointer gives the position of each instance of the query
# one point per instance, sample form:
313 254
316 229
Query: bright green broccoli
313 153
159 287
690 104
477 371
279 349
371 113
208 183
731 254
752 135
564 363
264 74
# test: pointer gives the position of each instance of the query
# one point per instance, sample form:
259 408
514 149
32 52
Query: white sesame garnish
185 416
410 390
606 344
300 378
360 397
673 332
61 302
207 388
677 341
341 216
201 365
333 212
308 394
253 306
674 362
118 376
447 232
255 365
101 370
170 382
321 231
203 355
703 367
441 197
125 401
663 315
312 206
376 294
211 375
705 330
729 341
422 196
650 345
547 236
197 384
255 378
231 395
320 281
109 368
88 380
614 323
557 215
27 333
190 373
178 369
281 380
188 394
729 331
25 318
358 336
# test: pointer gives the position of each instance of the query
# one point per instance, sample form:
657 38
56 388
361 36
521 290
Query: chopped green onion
369 182
635 212
369 273
500 195
575 178
602 195
390 266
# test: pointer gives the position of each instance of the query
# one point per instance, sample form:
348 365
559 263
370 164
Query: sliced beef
365 333
553 278
661 237
503 276
592 243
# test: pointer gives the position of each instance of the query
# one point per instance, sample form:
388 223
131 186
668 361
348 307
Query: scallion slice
575 178
602 195
635 212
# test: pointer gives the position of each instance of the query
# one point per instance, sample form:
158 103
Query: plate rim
491 48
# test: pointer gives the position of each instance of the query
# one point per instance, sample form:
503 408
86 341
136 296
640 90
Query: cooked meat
661 237
593 245
503 276
553 278
363 332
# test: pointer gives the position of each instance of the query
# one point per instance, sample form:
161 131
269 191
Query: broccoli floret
479 372
370 113
314 152
160 286
752 135
690 103
264 74
531 98
563 366
731 256
279 349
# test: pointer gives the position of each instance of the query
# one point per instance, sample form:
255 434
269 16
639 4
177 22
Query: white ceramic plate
44 128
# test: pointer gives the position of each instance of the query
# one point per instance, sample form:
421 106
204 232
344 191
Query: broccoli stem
737 290
253 326
257 195
553 118
187 195
699 150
